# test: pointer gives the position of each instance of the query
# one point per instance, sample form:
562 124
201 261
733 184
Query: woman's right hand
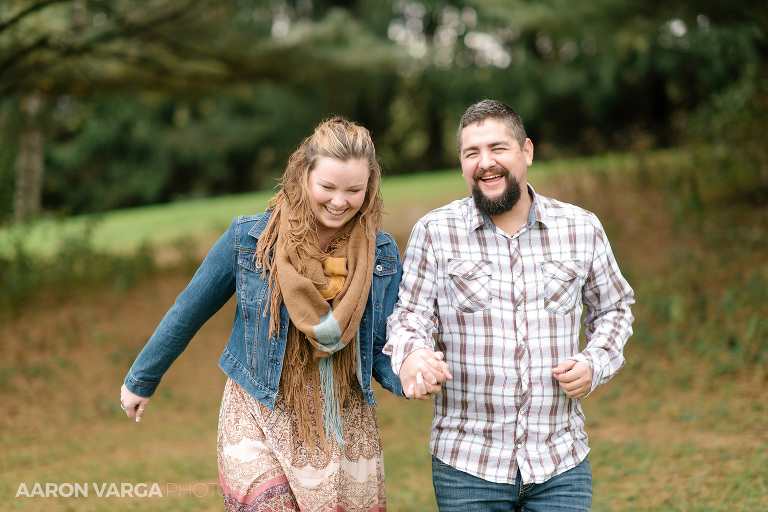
134 405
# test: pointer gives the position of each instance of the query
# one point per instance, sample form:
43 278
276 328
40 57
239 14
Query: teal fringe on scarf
332 410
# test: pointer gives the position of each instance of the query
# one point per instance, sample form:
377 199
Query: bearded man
493 288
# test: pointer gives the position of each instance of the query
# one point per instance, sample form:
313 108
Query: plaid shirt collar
536 214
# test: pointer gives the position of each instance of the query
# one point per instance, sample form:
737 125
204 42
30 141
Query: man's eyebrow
492 145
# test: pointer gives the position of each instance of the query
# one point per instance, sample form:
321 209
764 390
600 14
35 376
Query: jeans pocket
437 463
562 285
470 284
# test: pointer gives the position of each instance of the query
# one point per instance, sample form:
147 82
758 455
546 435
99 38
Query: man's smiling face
494 165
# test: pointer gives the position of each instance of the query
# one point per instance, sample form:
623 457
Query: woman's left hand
422 374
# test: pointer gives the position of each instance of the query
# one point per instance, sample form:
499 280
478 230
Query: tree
50 48
84 48
29 161
585 76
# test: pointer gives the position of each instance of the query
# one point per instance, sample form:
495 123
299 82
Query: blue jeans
457 491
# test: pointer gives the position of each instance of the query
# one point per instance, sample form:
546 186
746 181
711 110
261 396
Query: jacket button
378 268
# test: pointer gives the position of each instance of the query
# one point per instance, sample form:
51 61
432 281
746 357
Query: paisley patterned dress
265 466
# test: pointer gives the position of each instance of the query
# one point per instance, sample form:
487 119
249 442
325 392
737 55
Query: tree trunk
27 200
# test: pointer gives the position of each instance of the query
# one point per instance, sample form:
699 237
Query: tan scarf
325 294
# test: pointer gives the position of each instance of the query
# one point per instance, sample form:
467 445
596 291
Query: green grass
681 428
165 224
123 230
697 477
201 219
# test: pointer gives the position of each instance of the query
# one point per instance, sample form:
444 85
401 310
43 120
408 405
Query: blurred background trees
119 103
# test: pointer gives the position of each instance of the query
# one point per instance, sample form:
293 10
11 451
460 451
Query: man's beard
501 204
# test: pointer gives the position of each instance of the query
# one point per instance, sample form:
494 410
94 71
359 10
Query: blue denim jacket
252 358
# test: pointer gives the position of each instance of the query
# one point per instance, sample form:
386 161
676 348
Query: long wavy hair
336 138
343 140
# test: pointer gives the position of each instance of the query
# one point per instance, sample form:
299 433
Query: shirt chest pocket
470 284
562 285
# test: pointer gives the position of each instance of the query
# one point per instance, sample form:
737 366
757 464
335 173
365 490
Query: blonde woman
315 278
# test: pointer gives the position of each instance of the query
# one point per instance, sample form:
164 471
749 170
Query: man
497 283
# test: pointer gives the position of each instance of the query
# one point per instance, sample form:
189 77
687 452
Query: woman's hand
134 405
422 374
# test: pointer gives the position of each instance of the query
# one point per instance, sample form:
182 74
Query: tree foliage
91 47
162 99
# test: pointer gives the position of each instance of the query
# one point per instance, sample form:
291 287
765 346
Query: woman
315 278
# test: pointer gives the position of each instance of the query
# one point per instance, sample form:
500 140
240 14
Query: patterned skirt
265 466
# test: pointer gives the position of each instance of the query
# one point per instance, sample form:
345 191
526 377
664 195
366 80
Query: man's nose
487 160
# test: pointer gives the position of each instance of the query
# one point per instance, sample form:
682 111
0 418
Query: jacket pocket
562 285
470 284
249 276
385 266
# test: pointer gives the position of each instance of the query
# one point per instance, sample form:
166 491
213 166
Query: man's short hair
493 109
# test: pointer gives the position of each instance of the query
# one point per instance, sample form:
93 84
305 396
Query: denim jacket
252 358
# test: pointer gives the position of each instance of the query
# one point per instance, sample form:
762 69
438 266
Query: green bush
28 275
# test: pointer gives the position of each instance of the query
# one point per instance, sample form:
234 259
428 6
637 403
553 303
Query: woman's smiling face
336 192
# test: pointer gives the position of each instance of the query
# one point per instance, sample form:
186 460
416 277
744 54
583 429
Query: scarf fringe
332 420
287 250
301 384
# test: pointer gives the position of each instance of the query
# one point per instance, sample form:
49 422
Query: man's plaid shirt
506 310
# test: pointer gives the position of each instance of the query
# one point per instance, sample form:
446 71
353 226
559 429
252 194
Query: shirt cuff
595 369
400 351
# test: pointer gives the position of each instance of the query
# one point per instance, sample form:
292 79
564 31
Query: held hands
423 372
133 405
574 377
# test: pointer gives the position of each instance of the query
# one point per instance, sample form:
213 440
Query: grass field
406 199
683 427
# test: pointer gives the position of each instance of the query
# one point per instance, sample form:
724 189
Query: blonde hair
337 138
343 140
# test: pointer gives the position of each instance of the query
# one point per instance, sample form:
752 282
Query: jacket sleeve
382 364
210 288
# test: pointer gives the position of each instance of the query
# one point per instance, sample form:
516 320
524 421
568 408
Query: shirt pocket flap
565 270
469 269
